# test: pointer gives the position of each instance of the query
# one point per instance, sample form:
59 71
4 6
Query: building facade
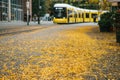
13 10
115 4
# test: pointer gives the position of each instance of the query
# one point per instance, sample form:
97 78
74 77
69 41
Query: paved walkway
19 26
63 52
20 23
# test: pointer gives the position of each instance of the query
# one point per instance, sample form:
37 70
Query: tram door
69 12
71 18
94 17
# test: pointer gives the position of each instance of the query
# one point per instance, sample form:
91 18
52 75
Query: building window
16 10
93 15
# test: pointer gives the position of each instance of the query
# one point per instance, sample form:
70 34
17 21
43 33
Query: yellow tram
65 13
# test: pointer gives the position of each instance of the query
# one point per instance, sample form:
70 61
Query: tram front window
60 12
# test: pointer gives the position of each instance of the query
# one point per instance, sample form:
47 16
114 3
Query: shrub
117 25
105 23
116 17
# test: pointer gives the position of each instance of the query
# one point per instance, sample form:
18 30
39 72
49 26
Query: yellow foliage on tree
93 1
104 4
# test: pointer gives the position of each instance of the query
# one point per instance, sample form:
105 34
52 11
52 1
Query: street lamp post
9 10
68 1
39 12
78 3
61 1
28 7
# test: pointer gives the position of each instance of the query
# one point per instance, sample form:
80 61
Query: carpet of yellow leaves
78 54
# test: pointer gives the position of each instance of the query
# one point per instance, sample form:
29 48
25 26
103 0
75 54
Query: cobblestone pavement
5 24
18 27
60 52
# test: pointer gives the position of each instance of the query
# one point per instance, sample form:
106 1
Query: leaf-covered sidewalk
77 54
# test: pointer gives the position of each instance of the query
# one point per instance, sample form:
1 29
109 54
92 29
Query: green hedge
105 23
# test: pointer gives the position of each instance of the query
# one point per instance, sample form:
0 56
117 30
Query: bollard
117 32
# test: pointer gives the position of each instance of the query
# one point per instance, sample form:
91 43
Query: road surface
58 52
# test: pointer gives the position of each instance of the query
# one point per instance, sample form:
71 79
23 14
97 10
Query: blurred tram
65 13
